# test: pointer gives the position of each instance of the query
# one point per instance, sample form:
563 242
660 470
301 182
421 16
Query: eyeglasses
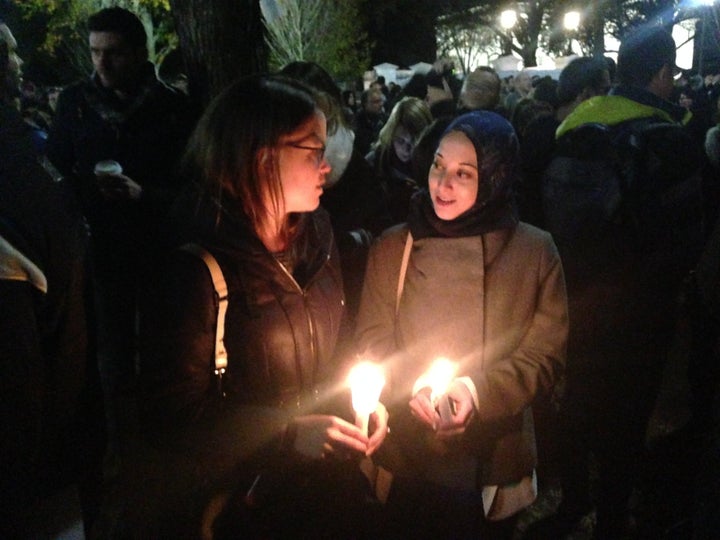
319 152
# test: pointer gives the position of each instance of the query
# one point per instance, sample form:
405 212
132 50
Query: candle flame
366 382
440 376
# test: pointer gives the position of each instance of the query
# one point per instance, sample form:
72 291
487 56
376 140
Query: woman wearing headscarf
465 280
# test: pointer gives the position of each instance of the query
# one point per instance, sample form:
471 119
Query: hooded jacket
623 278
623 105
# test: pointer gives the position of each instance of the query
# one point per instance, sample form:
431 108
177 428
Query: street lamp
571 22
508 19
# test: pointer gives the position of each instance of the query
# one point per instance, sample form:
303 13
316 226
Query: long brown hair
233 151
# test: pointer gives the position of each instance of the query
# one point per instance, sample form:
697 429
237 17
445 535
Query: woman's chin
446 212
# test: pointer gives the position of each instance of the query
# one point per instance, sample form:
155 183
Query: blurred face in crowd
523 83
435 94
52 96
15 68
454 176
685 100
480 90
403 144
116 63
374 103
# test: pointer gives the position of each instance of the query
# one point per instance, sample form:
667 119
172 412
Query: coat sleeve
534 365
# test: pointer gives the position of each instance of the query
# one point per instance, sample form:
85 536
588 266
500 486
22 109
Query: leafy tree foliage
328 32
617 18
464 38
221 39
464 25
66 32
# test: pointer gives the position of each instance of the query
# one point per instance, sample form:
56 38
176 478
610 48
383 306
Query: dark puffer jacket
280 330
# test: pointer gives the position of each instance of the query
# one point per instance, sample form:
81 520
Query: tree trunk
534 12
403 31
220 40
598 29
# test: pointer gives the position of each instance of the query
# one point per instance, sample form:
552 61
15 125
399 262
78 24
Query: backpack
638 181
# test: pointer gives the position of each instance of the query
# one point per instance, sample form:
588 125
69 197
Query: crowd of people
185 293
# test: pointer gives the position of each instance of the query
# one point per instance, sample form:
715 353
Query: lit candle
366 383
439 377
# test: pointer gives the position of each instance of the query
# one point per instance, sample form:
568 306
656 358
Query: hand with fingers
456 409
379 429
423 409
451 413
318 436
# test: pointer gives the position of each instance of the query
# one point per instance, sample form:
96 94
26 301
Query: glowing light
571 21
366 382
439 377
508 18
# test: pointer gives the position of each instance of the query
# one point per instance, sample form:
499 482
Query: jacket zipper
310 322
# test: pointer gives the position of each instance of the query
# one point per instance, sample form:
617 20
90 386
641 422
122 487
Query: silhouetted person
51 406
628 237
581 79
123 112
480 90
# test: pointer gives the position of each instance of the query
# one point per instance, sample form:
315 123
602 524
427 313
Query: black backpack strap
221 292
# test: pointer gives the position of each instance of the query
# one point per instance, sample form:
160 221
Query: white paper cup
108 167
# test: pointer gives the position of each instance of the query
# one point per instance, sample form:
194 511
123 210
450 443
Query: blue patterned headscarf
496 147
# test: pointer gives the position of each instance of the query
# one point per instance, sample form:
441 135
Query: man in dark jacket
582 79
369 120
627 239
51 412
125 114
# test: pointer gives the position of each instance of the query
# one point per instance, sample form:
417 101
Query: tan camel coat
494 303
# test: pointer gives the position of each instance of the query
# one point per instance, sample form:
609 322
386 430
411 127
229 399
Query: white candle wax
366 383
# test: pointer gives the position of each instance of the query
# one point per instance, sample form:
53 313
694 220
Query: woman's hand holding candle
366 382
429 390
455 410
423 409
439 377
380 422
